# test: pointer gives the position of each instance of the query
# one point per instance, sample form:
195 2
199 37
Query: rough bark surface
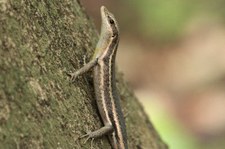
39 108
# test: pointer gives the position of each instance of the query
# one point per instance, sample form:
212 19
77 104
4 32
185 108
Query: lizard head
109 37
109 23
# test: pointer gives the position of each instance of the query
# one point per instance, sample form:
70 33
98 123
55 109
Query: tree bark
39 108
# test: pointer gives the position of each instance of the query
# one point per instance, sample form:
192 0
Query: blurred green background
173 54
165 20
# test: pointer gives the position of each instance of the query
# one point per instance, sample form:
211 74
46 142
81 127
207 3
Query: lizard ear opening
114 35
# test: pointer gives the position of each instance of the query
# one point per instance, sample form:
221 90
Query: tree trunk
39 108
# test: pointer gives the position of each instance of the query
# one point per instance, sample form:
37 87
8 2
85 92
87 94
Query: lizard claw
89 136
73 76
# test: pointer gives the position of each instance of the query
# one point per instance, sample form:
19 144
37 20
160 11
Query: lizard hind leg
99 133
107 129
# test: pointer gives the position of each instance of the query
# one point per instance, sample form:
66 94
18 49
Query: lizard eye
111 20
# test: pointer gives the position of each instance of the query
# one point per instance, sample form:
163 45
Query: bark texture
41 40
